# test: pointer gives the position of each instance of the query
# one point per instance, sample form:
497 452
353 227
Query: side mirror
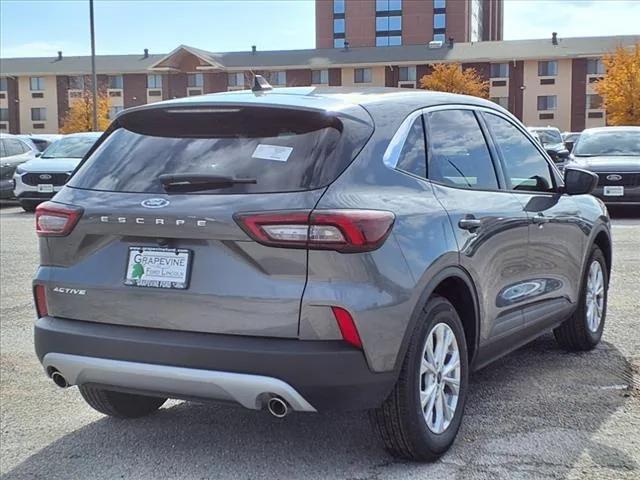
578 181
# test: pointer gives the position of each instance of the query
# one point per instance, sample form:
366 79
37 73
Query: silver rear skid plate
250 391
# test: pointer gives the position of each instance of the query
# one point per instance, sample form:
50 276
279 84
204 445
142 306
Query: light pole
93 69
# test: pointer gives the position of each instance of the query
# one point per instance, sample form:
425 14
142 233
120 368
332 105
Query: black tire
400 420
574 333
28 205
118 404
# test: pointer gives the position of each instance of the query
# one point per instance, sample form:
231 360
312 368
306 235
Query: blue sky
41 28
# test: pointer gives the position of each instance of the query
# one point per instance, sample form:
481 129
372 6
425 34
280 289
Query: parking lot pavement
537 413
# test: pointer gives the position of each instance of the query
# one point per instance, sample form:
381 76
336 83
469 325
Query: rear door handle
469 223
539 219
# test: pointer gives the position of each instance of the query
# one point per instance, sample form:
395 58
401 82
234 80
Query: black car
553 143
614 154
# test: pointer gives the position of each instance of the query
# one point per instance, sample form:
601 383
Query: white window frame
366 71
41 111
155 76
324 77
40 83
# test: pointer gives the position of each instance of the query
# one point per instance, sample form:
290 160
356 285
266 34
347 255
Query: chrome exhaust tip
277 407
59 379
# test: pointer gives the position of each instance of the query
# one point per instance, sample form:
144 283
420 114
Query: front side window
459 155
13 147
526 168
39 114
547 102
362 75
154 81
547 68
499 70
413 157
320 77
115 82
36 83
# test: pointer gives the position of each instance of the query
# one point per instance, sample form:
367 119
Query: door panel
490 224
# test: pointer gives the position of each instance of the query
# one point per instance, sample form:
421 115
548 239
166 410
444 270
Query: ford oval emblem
155 203
45 176
614 177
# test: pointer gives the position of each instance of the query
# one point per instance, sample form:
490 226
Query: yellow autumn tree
620 88
79 118
452 78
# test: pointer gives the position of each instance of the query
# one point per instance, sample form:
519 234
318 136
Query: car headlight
20 170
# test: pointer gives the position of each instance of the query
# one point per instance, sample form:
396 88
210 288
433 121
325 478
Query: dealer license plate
158 267
45 188
614 191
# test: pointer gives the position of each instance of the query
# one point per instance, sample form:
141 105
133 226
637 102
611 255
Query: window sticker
272 152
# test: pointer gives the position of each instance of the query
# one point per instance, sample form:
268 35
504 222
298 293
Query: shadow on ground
532 413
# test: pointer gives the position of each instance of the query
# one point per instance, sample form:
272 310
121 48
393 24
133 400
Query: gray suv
315 249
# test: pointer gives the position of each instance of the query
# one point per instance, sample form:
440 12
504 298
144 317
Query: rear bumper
311 375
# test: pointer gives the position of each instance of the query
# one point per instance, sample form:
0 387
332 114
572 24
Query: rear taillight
346 231
347 326
40 295
56 220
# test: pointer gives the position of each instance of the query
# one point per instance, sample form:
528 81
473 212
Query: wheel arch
603 240
454 284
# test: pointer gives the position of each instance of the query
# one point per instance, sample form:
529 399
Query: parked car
41 141
569 139
613 153
39 179
295 249
13 152
554 145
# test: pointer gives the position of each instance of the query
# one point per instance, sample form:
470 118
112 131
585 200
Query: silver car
313 249
13 152
41 178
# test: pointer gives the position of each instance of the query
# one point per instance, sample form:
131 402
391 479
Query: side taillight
40 296
56 220
346 231
347 327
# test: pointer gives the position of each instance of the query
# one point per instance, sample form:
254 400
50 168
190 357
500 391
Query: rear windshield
282 149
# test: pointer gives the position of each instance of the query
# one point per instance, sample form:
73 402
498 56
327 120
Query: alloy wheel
595 296
440 378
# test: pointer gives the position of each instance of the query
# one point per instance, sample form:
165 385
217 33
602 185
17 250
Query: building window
362 75
547 68
595 66
236 79
594 102
115 82
439 4
320 77
388 23
476 20
3 84
38 114
338 43
499 70
4 114
195 80
439 37
113 111
338 25
547 102
154 81
407 74
76 82
502 101
440 20
36 83
277 78
338 6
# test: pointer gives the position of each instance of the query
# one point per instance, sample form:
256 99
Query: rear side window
526 168
459 155
413 158
282 149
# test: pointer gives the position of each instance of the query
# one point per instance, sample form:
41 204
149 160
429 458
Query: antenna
260 84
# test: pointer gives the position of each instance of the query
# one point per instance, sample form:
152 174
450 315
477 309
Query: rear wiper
194 182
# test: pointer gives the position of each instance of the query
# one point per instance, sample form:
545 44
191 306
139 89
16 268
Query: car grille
627 180
34 179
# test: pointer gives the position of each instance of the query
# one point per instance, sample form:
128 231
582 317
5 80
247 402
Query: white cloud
570 18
